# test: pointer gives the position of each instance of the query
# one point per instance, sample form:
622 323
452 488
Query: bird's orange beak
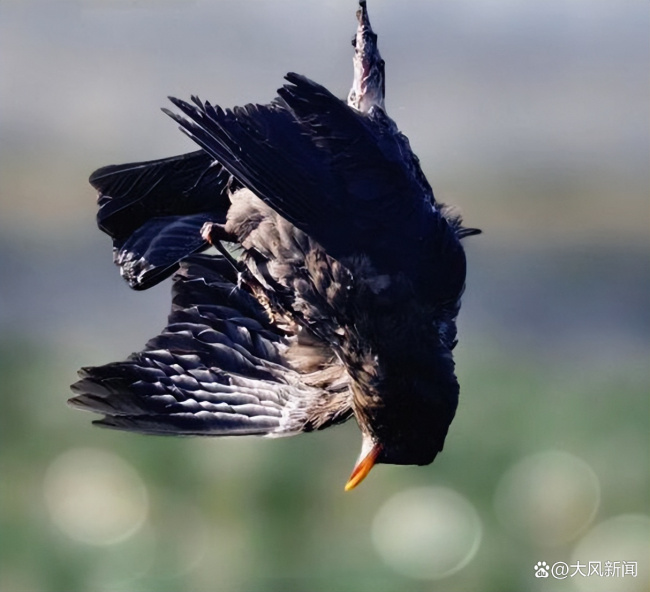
363 466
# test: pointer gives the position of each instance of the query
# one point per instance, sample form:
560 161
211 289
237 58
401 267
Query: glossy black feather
154 211
346 179
154 250
131 194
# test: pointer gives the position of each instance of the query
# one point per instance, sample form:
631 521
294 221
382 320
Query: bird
316 278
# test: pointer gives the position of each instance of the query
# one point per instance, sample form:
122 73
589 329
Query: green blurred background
532 117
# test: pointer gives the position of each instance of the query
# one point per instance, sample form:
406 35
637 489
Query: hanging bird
335 291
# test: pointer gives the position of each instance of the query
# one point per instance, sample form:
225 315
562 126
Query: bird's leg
368 87
214 233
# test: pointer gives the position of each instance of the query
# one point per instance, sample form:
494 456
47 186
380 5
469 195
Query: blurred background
531 117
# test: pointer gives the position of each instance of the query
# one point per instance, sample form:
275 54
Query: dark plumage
154 212
341 301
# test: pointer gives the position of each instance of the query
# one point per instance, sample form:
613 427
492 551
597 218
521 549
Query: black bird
337 286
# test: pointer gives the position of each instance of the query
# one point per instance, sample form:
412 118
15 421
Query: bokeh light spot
95 497
621 539
427 532
548 499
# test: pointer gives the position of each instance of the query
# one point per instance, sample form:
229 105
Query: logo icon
541 569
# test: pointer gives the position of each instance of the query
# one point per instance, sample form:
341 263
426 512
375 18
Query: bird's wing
154 250
130 194
218 368
322 165
154 210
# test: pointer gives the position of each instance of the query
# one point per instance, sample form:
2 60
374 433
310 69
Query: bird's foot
214 232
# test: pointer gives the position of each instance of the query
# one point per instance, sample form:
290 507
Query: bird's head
404 416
